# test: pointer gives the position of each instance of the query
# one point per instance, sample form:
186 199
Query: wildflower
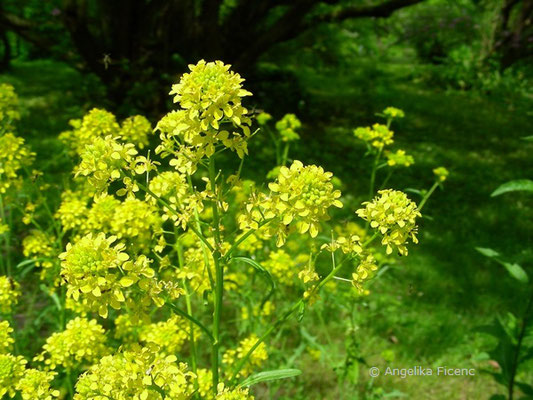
392 112
225 393
9 294
363 272
72 211
400 159
39 245
36 385
14 156
9 107
263 118
169 335
136 221
281 266
287 127
136 130
209 97
82 341
394 216
441 173
302 194
6 340
101 213
103 159
348 245
12 369
91 268
256 359
139 373
378 135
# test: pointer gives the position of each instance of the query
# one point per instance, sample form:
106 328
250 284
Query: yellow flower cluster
6 340
378 135
287 127
263 118
82 342
98 123
392 112
363 273
259 310
103 159
35 384
232 356
169 336
12 369
173 187
136 130
9 294
39 245
225 393
137 374
211 114
441 173
281 266
9 107
347 244
91 268
14 156
399 158
72 210
394 215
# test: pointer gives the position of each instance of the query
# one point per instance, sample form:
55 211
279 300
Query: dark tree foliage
130 44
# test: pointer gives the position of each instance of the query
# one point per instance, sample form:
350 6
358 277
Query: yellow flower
136 130
9 107
256 359
400 159
301 195
378 135
9 294
91 269
82 341
287 127
6 340
225 393
392 112
169 336
394 216
14 156
441 173
36 385
12 369
263 118
139 373
39 245
364 271
72 211
281 266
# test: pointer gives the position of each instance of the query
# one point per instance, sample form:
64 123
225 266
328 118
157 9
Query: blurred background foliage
460 69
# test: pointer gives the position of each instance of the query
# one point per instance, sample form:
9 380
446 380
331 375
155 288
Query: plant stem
521 335
219 278
373 175
428 194
7 234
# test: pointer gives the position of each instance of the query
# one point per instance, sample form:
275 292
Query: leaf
264 272
519 185
527 138
488 252
270 376
516 271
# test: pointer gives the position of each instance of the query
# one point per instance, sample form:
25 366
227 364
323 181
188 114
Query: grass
426 311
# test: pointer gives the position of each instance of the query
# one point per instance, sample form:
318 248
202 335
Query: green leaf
519 185
270 376
264 272
527 138
488 252
516 271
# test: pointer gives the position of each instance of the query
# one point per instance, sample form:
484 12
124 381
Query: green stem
285 154
373 175
7 235
184 314
236 245
428 194
219 279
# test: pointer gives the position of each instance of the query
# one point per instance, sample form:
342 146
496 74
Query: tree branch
382 10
